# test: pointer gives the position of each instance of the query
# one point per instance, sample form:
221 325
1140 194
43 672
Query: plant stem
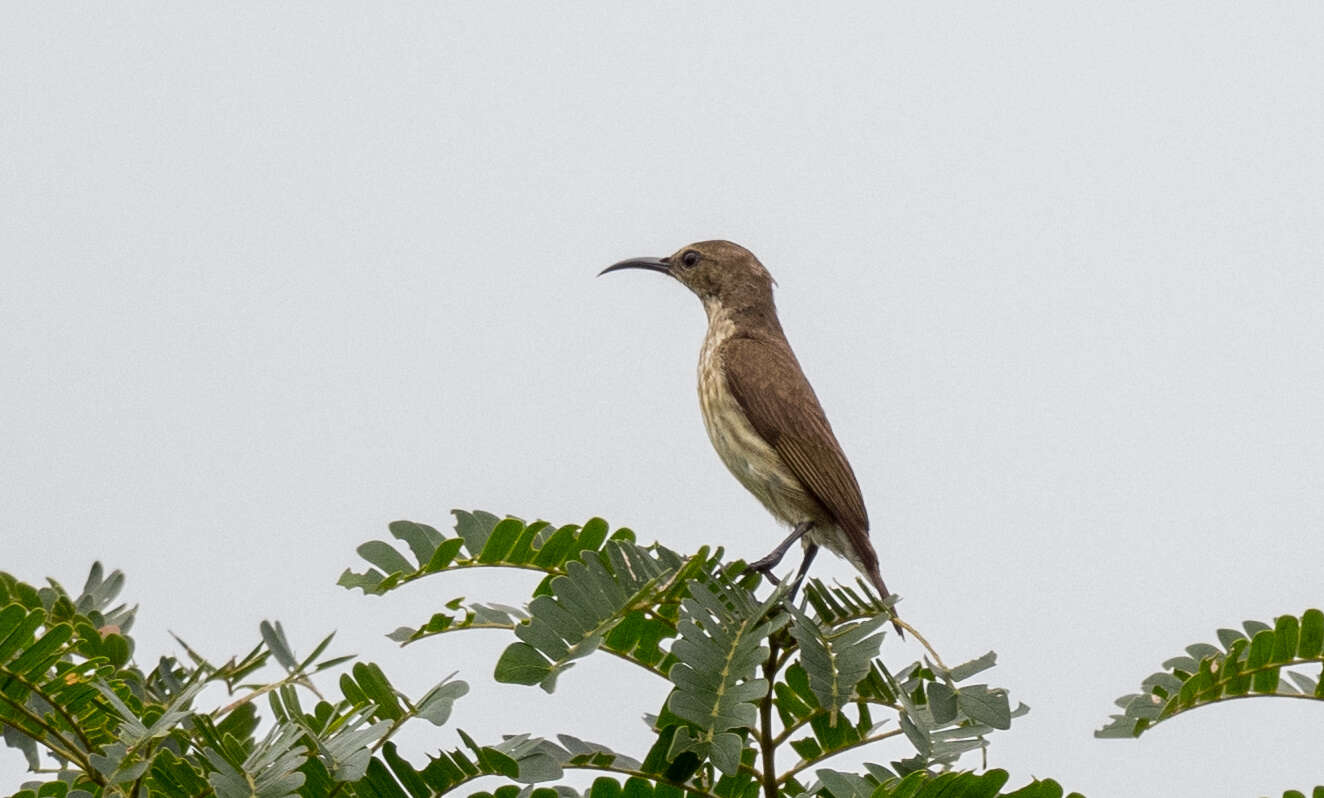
767 742
862 741
937 660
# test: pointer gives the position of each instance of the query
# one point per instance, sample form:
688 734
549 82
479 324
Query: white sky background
274 276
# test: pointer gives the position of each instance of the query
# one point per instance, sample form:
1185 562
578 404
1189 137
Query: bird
761 413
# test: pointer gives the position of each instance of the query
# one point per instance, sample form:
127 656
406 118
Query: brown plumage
761 414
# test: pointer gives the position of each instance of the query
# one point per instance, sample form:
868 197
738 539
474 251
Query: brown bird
762 416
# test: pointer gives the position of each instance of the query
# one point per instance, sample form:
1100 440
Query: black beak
652 264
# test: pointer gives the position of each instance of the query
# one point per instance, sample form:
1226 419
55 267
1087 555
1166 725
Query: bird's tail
877 579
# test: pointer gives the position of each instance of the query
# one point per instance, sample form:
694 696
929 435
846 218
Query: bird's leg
765 565
810 551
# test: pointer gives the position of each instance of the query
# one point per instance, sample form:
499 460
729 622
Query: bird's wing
768 383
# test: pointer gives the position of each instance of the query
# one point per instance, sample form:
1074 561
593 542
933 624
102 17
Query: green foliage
722 631
645 586
1258 660
842 785
838 660
1261 660
746 673
481 540
763 691
61 674
69 689
922 784
584 604
941 717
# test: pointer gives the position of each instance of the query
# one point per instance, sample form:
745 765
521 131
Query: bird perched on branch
762 416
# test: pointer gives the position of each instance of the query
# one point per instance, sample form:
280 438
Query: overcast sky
277 274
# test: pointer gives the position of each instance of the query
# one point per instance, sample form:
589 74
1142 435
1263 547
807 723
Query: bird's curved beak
652 264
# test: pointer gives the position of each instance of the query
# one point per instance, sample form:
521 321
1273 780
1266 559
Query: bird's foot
766 564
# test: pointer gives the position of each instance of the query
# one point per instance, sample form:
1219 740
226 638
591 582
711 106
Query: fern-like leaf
53 660
459 616
481 540
837 604
270 770
723 629
595 594
1261 660
521 758
966 784
836 659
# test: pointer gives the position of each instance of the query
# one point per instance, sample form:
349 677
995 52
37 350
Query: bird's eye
690 259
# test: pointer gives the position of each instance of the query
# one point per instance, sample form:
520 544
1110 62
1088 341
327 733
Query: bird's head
720 273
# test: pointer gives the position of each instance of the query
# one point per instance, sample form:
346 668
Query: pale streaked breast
746 454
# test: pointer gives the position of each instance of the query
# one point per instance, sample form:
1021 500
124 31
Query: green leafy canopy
763 691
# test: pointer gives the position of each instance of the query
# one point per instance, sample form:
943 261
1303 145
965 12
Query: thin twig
767 744
802 764
295 679
937 660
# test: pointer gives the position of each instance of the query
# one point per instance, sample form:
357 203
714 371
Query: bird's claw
765 566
